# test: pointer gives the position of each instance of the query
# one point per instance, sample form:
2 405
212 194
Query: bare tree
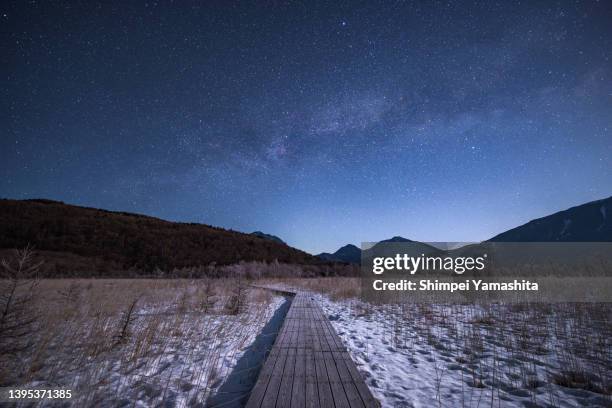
18 278
128 318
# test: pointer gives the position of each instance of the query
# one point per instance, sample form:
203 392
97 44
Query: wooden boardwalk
309 366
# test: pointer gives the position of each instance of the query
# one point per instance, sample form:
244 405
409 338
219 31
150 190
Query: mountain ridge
128 241
268 236
348 253
594 225
582 223
47 225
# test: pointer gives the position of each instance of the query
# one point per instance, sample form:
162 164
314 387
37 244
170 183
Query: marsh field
129 342
465 355
175 342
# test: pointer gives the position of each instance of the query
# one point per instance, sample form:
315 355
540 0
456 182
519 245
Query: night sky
322 124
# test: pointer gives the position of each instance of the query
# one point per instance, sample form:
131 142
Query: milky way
323 125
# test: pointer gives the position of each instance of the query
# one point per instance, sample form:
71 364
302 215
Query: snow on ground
171 359
412 359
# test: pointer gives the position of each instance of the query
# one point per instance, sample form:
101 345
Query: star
273 124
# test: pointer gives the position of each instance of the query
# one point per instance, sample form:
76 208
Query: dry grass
117 341
335 287
498 348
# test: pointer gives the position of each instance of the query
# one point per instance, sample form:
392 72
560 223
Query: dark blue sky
322 124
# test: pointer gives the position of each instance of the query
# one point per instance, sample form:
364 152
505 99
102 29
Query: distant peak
583 223
274 238
348 253
43 201
397 238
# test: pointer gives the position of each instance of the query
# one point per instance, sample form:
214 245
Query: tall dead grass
118 341
335 287
498 348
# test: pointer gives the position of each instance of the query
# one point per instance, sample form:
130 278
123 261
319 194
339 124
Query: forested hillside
75 235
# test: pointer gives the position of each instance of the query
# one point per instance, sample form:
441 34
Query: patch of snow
409 366
566 224
602 210
189 356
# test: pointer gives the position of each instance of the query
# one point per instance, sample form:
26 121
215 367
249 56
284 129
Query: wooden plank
300 335
271 394
333 338
352 394
286 386
327 344
309 366
340 400
317 342
259 390
312 391
364 392
298 392
326 400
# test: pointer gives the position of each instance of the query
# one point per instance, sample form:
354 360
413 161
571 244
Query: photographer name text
428 285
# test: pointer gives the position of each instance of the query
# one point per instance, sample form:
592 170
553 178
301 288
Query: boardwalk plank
325 393
312 391
271 394
340 400
298 394
259 390
352 394
286 386
309 366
